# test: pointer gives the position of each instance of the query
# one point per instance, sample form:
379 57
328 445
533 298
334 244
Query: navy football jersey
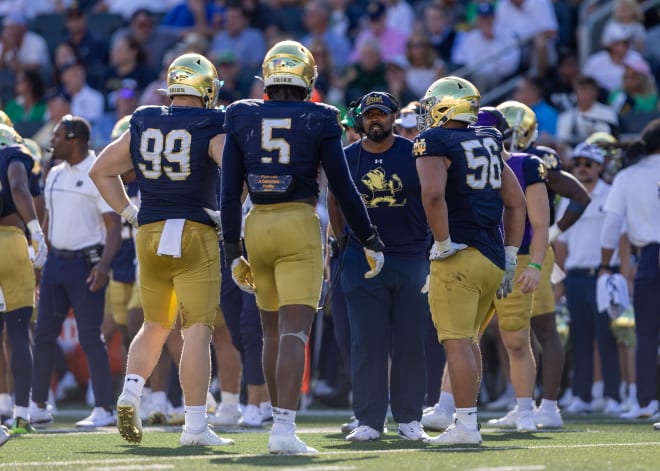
474 180
552 163
390 189
7 156
529 170
170 152
277 147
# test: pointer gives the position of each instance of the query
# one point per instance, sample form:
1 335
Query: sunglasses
583 163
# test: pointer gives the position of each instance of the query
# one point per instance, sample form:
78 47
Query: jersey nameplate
269 185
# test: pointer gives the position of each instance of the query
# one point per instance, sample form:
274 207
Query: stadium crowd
573 327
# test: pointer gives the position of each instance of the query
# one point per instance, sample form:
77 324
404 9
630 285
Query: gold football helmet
605 141
522 121
289 63
9 136
4 119
193 74
120 126
448 98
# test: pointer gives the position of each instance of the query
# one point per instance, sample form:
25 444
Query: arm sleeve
344 189
232 188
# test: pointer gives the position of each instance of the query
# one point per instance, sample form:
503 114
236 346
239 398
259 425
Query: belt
589 271
71 254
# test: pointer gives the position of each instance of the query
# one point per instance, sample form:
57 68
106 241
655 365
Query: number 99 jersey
175 173
474 180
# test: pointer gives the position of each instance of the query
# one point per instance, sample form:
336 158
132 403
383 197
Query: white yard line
231 456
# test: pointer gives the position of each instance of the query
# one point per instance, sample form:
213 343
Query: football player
544 324
175 151
276 147
17 280
467 191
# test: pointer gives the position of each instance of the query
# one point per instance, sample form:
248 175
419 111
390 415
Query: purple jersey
529 170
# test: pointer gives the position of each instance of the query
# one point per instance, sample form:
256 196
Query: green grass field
585 443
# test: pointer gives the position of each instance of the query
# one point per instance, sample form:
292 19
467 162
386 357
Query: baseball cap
637 63
15 18
614 33
378 100
588 151
485 9
375 10
408 120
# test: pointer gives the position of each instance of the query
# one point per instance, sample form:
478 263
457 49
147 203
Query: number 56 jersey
474 180
175 173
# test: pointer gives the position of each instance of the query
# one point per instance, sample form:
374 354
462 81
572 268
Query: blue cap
378 100
485 9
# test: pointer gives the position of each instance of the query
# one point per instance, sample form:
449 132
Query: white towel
557 275
3 304
170 239
612 294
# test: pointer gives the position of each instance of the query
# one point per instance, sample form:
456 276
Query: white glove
38 238
553 233
215 217
376 260
510 264
444 249
242 275
130 213
425 288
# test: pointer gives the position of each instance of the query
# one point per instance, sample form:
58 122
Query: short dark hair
77 126
585 80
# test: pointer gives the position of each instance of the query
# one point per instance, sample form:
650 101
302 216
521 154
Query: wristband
34 227
534 265
443 245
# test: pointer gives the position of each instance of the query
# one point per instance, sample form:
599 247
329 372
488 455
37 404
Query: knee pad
300 335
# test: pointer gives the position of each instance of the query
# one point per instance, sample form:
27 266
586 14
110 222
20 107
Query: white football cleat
39 417
205 438
547 418
363 433
437 419
4 435
348 427
128 418
98 418
288 445
457 434
412 431
509 420
251 417
525 421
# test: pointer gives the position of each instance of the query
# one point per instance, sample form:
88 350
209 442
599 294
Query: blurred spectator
38 7
21 49
628 15
587 117
262 16
153 40
235 84
367 74
58 104
316 18
438 25
153 94
203 16
64 52
606 65
638 90
126 101
86 102
326 81
9 6
400 16
92 49
406 123
558 86
248 43
530 20
530 92
492 54
424 65
28 104
395 76
127 61
345 18
392 42
127 8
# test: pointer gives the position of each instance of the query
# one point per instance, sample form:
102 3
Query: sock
524 404
21 412
446 402
284 421
632 391
228 398
5 402
597 390
623 390
195 418
134 384
548 404
467 417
